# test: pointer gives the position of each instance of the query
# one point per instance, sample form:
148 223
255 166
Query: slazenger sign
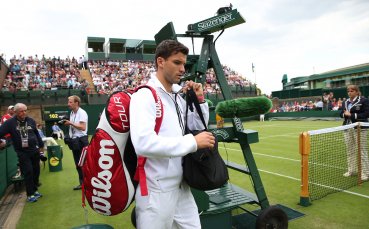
222 19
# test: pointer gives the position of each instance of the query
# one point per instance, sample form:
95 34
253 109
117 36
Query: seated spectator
319 105
339 103
48 141
57 132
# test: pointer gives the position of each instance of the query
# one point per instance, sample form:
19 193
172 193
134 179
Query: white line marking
298 179
265 155
342 190
288 159
281 135
280 175
325 186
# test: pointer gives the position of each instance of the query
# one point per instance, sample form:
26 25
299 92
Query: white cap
10 107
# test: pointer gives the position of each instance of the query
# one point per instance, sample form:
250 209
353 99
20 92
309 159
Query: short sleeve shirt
79 116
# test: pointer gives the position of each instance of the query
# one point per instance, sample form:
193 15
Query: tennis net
333 160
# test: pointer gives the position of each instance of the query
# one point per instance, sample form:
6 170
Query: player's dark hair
167 48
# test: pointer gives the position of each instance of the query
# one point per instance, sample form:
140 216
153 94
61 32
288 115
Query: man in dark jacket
28 145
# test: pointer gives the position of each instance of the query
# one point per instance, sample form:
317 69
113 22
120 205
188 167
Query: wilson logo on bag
109 162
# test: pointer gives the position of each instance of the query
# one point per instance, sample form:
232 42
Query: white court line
265 155
280 135
257 126
283 126
325 186
280 175
285 158
342 190
298 179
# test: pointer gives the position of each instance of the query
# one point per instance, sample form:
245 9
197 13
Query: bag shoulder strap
191 100
159 107
140 174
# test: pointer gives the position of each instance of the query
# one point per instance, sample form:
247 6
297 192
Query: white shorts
167 210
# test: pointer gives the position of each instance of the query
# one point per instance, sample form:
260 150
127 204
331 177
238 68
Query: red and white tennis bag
109 162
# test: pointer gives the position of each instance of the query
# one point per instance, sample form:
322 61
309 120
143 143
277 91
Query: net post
304 148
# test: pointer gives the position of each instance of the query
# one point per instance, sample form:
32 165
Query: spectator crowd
46 73
109 76
326 102
41 73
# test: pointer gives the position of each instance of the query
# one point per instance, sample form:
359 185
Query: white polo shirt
79 116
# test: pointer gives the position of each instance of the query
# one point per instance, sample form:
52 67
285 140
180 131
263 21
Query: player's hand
205 140
197 87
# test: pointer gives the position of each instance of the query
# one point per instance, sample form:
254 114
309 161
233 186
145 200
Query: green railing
47 97
8 167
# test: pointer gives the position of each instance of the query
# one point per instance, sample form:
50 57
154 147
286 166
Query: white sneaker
348 174
364 177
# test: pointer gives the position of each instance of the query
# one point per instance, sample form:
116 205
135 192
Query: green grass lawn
277 158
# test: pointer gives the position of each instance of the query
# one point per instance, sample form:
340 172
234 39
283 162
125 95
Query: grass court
277 158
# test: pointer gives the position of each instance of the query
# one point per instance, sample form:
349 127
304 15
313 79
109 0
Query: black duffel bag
205 168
